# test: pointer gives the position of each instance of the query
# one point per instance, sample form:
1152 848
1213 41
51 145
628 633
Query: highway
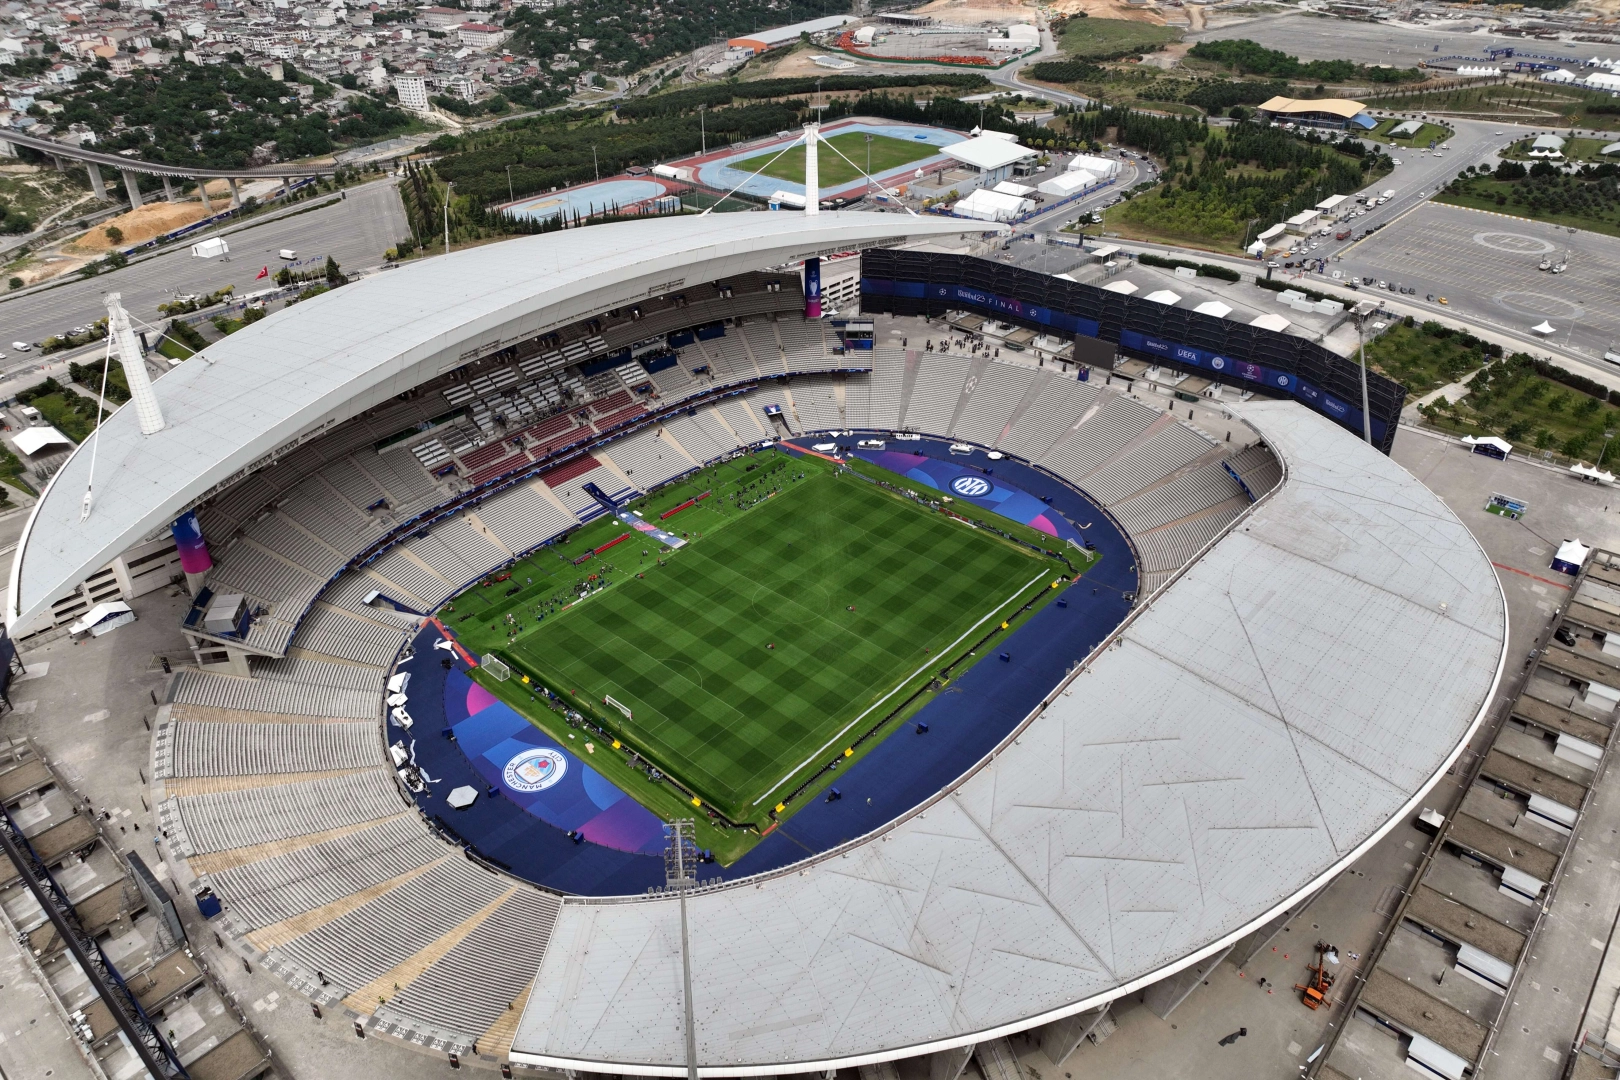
356 231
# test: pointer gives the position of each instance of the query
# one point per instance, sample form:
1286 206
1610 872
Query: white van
287 253
871 444
22 346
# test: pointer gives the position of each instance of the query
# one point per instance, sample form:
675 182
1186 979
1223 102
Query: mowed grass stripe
685 647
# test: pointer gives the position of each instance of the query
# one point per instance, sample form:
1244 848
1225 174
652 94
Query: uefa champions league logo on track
535 770
971 487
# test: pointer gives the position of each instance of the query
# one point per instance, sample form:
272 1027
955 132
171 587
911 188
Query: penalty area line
897 686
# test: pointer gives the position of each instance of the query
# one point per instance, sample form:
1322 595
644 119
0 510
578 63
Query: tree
334 274
15 283
114 233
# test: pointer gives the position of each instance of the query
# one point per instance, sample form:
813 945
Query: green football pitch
887 153
688 646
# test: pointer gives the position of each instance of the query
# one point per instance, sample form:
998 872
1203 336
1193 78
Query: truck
287 253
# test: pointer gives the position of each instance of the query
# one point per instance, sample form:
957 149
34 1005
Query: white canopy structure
1121 286
32 440
341 353
1065 184
213 247
1215 308
1544 328
982 205
1270 322
1165 297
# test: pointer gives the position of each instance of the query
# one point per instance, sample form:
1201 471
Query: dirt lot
974 12
138 226
1111 9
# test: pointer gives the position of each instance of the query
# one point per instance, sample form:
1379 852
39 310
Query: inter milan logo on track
535 770
971 487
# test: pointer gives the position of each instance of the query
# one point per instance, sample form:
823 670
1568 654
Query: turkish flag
262 274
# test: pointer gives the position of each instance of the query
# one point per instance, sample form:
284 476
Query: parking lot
1485 265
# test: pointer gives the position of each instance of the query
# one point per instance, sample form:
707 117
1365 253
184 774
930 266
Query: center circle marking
1540 305
1514 243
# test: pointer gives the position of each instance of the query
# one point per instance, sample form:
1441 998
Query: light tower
122 337
812 207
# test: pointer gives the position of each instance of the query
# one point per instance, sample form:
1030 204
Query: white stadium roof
336 355
1251 733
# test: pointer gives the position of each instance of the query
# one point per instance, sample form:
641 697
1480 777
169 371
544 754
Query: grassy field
1537 104
686 645
1509 398
1107 39
1558 200
1437 132
1421 359
887 153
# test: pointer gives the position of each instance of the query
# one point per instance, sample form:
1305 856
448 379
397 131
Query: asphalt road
355 231
1315 37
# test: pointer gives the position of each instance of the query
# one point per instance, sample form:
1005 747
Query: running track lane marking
1528 574
927 664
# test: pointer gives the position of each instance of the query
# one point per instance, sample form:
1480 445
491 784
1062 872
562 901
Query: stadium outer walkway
906 768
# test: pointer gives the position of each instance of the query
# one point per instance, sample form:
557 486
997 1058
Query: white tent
462 797
102 618
1215 308
1123 287
982 205
1544 329
1586 472
1603 80
213 246
1164 296
1098 166
1270 322
787 198
1257 248
1007 187
32 440
1065 184
1558 76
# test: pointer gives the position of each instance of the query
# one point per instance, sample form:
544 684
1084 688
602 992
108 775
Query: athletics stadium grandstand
1285 641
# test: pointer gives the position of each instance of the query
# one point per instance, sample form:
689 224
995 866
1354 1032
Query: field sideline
746 655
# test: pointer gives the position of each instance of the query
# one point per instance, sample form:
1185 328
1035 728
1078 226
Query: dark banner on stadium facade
1003 305
1278 365
1318 399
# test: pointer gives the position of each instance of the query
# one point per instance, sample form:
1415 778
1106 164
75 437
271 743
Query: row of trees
1251 58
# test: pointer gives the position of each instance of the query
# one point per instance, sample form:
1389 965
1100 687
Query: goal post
608 699
496 667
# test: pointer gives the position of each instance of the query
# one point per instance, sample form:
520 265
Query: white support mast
812 170
122 337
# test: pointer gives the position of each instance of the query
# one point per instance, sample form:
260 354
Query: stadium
478 546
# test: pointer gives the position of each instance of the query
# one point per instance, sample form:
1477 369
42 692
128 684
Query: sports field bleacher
282 792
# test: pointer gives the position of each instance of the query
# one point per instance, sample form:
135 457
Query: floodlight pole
1366 412
679 875
447 188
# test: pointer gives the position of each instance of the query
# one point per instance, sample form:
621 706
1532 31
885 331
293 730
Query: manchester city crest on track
535 770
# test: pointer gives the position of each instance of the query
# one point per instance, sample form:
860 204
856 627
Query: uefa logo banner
972 487
535 770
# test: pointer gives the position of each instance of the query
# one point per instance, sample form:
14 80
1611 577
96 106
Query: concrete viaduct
92 159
